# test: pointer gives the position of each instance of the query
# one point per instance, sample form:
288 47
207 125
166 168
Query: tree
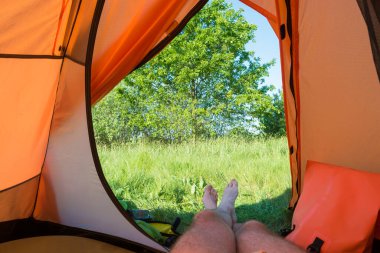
204 84
273 121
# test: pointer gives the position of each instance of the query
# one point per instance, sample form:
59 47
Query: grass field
168 180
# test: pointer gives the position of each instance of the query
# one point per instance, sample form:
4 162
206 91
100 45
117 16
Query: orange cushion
338 205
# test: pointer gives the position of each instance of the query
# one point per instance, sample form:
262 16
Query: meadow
168 179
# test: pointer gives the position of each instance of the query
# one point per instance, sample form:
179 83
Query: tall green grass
169 179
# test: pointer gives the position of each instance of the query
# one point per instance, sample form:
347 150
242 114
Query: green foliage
204 84
109 120
168 179
273 122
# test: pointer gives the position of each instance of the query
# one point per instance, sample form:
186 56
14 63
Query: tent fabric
288 55
339 87
329 84
268 9
25 116
69 137
119 49
54 84
276 12
29 72
18 202
27 228
371 13
76 49
21 31
59 244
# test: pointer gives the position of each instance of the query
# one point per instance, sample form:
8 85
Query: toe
214 194
208 188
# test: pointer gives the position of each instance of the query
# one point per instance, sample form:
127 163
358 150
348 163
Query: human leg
227 204
211 230
208 234
253 236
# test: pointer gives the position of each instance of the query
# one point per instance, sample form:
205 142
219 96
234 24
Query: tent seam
23 182
30 56
53 113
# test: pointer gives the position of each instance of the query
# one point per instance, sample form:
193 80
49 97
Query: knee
252 227
204 216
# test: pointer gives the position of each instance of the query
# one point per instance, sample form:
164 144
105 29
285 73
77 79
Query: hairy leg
209 233
211 230
253 236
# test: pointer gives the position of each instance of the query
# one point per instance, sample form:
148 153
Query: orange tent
57 57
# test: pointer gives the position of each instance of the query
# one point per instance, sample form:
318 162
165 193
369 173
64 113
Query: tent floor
59 244
54 236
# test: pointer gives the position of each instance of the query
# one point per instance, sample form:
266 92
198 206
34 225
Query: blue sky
265 45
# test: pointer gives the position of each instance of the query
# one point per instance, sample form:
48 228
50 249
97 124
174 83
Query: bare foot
228 200
210 198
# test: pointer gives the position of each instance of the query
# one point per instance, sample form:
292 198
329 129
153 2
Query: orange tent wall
142 30
331 90
30 66
29 72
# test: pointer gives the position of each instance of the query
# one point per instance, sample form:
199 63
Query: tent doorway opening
203 111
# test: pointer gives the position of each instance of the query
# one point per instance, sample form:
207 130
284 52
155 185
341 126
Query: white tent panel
71 192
